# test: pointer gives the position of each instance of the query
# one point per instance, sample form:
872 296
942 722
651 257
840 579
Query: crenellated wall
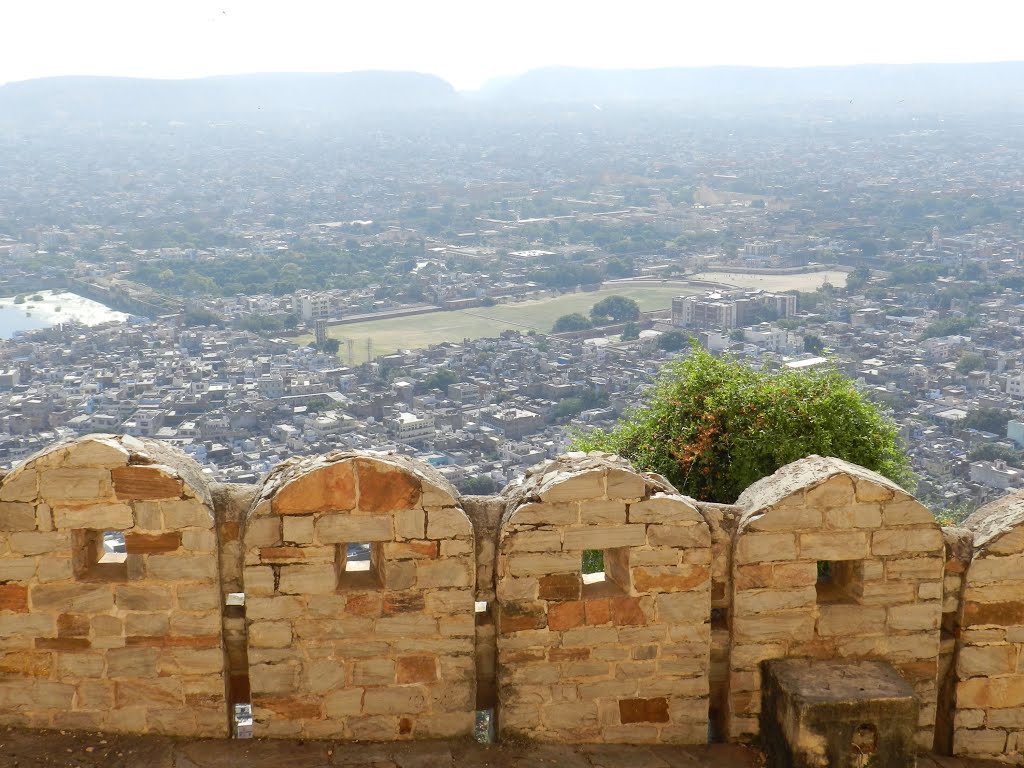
379 604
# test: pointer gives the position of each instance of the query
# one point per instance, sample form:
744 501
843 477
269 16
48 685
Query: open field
807 281
537 314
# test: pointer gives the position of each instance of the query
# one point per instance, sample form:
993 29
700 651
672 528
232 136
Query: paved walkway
49 749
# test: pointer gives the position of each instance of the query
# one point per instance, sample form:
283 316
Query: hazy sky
470 41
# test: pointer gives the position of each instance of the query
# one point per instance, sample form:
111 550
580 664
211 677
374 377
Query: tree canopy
573 322
713 426
614 309
673 341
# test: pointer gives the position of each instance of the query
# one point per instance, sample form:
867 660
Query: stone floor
36 749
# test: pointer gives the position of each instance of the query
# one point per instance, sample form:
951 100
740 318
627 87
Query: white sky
469 41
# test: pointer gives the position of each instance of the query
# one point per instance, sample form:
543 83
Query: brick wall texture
360 572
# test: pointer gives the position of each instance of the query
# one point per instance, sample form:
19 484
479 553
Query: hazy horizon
468 46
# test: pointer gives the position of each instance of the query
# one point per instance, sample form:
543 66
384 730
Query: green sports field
539 314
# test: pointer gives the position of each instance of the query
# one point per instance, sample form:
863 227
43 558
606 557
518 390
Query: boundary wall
381 605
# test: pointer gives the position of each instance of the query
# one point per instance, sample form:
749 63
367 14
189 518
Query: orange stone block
282 555
386 489
626 611
141 482
568 654
416 669
14 597
331 488
678 580
292 707
363 604
562 616
597 611
151 543
403 602
643 710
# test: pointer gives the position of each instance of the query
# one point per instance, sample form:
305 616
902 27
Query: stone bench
837 714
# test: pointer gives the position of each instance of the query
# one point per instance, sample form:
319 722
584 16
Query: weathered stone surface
384 488
145 482
332 487
340 529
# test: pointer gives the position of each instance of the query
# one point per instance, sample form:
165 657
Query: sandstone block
270 634
756 601
894 541
307 579
791 625
854 516
834 545
622 484
837 491
444 573
447 523
907 511
72 598
278 607
912 618
183 567
374 672
534 541
604 537
850 619
273 678
546 514
671 579
75 484
145 482
297 529
330 488
765 547
263 532
683 607
986 660
410 524
543 563
20 485
132 662
184 513
412 550
416 669
341 529
17 516
386 488
601 512
564 486
36 543
693 535
344 703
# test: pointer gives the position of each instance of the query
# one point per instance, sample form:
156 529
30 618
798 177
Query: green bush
713 426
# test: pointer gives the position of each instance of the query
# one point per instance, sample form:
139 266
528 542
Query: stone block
374 672
534 541
14 598
185 513
838 714
72 598
447 523
410 524
562 586
854 516
683 607
986 661
834 545
789 625
895 541
542 563
183 568
36 543
330 488
602 512
444 573
386 488
565 486
344 703
416 669
837 491
622 484
17 516
263 532
670 579
297 529
342 529
756 601
75 484
842 620
273 678
693 535
765 547
915 618
20 485
546 514
145 482
270 634
604 537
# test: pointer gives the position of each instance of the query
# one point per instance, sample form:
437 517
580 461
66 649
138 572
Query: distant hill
117 98
934 83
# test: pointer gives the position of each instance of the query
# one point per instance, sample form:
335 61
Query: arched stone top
998 527
820 482
354 482
586 477
110 470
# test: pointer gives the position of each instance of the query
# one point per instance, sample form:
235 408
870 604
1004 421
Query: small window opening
100 555
837 581
358 565
234 605
482 612
605 572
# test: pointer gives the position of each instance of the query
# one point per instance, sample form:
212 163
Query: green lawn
540 314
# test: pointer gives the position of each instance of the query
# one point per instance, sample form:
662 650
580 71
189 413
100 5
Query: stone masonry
879 597
378 654
623 660
360 572
989 719
131 646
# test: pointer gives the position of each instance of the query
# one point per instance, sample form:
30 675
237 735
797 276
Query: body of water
50 309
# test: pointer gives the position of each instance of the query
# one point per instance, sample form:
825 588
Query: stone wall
833 561
989 719
381 653
360 573
623 659
129 646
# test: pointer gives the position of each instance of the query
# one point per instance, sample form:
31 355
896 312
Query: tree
714 426
573 322
673 341
970 361
987 420
736 334
630 332
813 344
614 309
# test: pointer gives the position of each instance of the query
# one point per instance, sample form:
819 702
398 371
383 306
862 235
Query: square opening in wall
605 572
839 581
99 555
358 565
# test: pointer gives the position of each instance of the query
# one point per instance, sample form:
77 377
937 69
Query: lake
53 308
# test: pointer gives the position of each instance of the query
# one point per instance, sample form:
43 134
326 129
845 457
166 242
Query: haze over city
468 43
